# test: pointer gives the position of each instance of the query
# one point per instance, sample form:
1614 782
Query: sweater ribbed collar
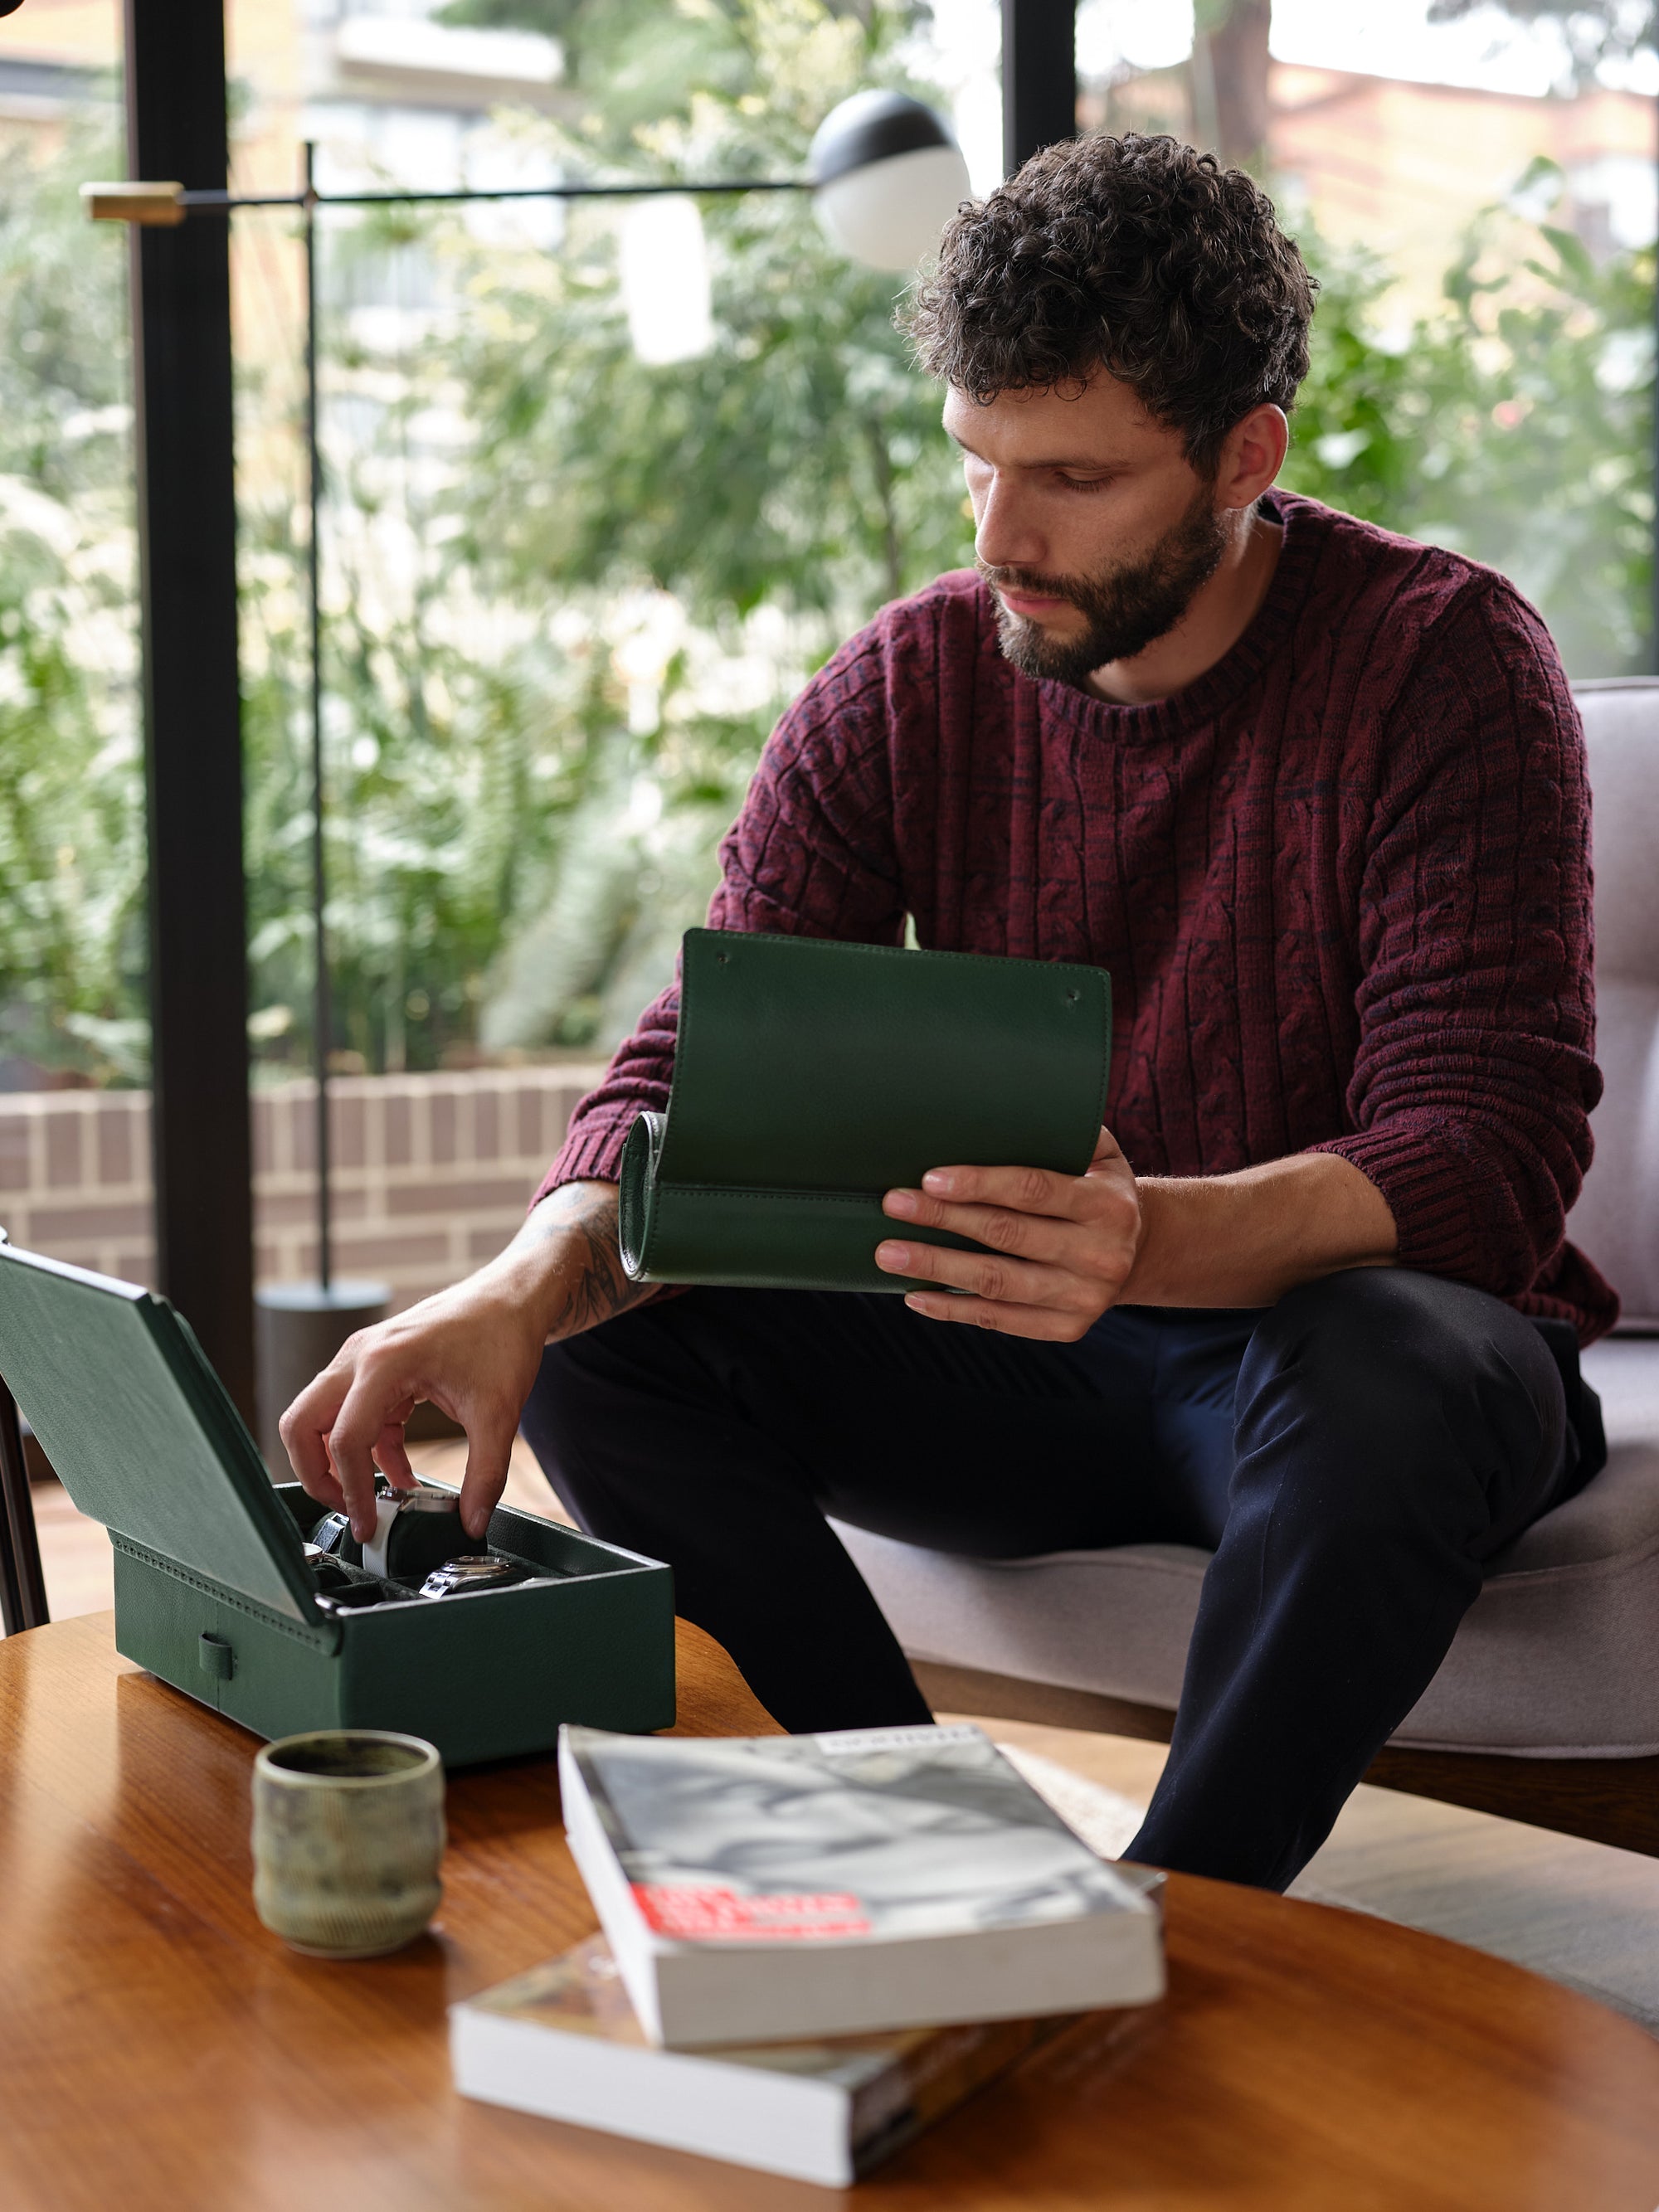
1266 634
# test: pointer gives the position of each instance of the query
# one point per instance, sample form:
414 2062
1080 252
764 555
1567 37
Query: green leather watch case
212 1592
811 1077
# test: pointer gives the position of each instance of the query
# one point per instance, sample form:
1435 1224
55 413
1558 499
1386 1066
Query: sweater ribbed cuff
1425 1183
592 1151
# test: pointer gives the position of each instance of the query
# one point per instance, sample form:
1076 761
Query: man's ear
1252 455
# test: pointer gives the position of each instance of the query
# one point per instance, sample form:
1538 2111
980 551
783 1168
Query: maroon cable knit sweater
1341 884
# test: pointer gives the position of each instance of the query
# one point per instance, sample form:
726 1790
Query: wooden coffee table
161 2052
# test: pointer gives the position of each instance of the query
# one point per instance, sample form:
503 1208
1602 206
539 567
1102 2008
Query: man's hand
1062 1246
473 1351
1065 1248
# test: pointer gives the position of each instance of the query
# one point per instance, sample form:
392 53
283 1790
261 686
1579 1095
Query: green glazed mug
348 1839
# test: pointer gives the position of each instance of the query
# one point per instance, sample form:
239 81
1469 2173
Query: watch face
469 1574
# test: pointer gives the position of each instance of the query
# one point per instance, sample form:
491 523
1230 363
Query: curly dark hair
1136 254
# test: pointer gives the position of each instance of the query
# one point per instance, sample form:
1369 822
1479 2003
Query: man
1315 796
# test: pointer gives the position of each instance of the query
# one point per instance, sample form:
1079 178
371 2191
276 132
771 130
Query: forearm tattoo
597 1286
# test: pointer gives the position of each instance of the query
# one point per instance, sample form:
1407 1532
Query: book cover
863 1834
563 2040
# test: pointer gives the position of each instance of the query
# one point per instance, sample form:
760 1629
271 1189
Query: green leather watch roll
811 1077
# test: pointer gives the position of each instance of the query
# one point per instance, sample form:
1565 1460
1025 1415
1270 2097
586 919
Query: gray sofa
1559 1656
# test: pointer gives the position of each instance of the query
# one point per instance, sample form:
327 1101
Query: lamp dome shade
888 176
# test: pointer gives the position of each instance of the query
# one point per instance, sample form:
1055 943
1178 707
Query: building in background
1404 167
388 94
385 77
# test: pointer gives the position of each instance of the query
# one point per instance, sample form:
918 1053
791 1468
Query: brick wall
432 1173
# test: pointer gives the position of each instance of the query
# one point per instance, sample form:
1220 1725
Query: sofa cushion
1558 1657
1616 1220
1116 1621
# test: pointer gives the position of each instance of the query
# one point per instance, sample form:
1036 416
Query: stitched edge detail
1610 1563
1410 1742
908 951
765 1190
1108 1559
223 1595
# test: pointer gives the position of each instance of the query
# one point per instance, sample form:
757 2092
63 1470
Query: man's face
1091 526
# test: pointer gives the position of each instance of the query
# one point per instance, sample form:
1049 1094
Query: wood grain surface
160 2051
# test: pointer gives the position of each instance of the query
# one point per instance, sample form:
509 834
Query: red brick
63 1170
399 1139
363 1254
499 1194
117 1149
279 1209
264 1118
57 1224
302 1133
14 1150
529 1124
346 1129
484 1243
287 1209
299 1124
441 1107
137 1266
486 1126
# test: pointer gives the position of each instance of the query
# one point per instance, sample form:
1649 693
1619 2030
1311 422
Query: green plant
1517 425
449 770
785 483
71 795
798 463
568 593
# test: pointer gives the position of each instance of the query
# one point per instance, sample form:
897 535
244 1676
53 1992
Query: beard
1125 608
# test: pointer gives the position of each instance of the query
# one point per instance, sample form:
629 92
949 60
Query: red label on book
687 1913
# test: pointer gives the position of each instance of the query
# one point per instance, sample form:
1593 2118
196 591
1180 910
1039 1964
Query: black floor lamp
886 172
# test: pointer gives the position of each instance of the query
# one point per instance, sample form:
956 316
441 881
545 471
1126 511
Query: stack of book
814 1946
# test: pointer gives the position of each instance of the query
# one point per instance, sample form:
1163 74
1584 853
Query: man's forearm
564 1265
1245 1239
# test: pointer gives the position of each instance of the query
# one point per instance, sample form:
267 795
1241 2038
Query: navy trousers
1352 1455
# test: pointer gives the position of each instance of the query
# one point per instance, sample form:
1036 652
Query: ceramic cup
347 1836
